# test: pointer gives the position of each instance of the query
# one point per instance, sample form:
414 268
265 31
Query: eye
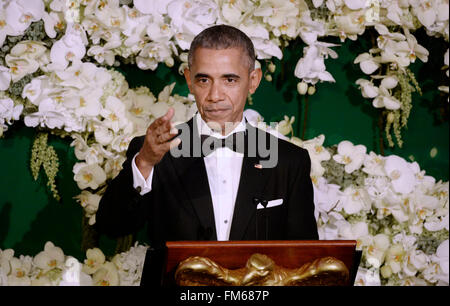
231 80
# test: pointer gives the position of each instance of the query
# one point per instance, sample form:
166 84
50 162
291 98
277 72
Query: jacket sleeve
301 222
122 210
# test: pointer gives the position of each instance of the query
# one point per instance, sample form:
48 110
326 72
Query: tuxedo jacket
179 206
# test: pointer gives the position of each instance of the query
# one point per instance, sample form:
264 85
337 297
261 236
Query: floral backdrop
57 61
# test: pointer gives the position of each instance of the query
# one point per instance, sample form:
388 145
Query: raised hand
158 141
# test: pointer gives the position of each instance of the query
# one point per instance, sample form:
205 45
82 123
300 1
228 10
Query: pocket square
272 203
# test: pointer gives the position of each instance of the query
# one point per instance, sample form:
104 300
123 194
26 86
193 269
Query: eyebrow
227 75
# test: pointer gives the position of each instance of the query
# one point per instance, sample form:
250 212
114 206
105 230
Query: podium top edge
261 243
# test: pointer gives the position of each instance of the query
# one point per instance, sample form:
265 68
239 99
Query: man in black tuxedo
187 186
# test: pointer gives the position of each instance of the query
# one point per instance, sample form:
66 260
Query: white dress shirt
223 167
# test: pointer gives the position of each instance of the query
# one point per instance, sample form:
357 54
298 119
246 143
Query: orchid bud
184 57
268 78
390 117
271 67
302 87
169 62
386 271
311 90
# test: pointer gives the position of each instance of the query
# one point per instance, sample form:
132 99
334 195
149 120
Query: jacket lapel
194 179
251 184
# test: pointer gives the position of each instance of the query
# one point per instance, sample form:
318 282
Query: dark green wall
29 216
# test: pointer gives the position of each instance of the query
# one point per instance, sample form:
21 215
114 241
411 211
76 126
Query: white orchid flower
159 30
106 275
367 63
356 4
5 257
19 273
367 277
21 13
37 89
442 259
394 257
375 249
416 261
384 97
102 55
153 53
88 176
50 114
350 155
234 11
367 88
402 177
264 47
188 18
425 182
113 166
50 258
330 230
138 103
20 66
386 35
120 143
73 275
310 30
422 207
285 125
350 23
130 265
410 49
317 154
354 200
311 68
81 75
374 164
389 204
426 11
5 78
9 111
53 20
68 49
94 260
86 102
326 197
275 11
114 114
5 28
377 186
103 135
151 7
355 231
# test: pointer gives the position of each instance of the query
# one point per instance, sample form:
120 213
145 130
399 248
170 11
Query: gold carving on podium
261 270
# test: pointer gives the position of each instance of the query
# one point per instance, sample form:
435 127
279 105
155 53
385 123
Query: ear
187 76
255 79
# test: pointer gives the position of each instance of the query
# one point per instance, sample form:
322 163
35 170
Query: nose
215 93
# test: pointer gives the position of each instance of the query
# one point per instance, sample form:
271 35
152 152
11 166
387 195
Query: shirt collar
204 129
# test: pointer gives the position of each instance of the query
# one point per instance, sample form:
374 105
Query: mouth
215 112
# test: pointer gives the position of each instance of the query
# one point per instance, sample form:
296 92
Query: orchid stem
305 117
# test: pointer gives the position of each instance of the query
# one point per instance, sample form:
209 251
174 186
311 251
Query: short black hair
221 37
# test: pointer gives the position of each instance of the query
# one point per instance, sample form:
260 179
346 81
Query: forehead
212 60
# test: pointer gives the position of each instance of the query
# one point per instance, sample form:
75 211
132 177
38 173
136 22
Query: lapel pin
258 166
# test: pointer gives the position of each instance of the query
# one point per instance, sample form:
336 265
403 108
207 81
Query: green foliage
399 118
44 155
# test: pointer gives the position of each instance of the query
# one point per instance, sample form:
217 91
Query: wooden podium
160 264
